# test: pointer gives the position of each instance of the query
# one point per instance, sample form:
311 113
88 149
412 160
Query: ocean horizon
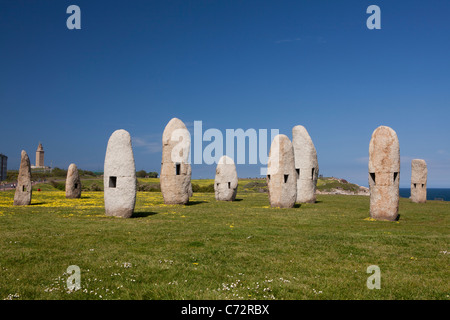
432 193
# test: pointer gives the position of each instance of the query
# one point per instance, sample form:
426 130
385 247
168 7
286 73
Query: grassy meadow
212 250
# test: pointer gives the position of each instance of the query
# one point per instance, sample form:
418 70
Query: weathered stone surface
384 174
306 165
419 174
226 181
281 173
119 176
22 196
175 178
73 183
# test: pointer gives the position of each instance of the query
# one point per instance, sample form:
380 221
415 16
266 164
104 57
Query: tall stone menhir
306 165
281 173
175 178
119 176
384 174
226 181
419 174
22 196
73 182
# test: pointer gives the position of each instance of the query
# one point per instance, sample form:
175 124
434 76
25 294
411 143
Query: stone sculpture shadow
193 203
143 214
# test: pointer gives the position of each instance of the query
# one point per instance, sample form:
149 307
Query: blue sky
231 64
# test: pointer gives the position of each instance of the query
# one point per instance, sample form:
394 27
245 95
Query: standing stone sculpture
384 174
306 165
281 173
73 183
22 196
119 176
419 173
226 181
175 178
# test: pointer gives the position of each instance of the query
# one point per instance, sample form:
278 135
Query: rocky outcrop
119 176
73 183
22 196
281 173
226 181
384 174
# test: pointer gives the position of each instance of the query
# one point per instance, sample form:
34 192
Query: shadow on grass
38 203
193 203
238 199
143 214
297 205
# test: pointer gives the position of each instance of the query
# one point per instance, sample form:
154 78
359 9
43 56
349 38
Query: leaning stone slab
306 165
73 182
119 176
384 174
281 173
22 196
419 174
175 178
226 181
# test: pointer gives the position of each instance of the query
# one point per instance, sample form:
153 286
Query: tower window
177 169
423 185
414 185
112 182
229 185
298 173
268 176
286 176
312 176
76 186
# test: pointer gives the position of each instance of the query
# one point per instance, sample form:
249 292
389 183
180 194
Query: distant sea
432 193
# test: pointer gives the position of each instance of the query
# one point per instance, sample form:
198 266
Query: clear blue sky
232 64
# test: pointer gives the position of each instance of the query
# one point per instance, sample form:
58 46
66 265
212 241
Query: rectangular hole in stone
76 186
372 177
414 185
423 185
178 169
298 173
286 176
312 176
268 176
395 176
217 184
24 188
229 185
112 182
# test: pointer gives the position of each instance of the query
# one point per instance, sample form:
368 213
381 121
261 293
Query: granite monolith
281 173
384 174
306 165
226 180
419 174
22 196
175 178
119 176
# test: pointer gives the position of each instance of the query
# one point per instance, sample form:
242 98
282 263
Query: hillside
327 185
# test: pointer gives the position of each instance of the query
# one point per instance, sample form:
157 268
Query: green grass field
211 250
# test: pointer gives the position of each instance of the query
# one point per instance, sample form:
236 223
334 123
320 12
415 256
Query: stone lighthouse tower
40 156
